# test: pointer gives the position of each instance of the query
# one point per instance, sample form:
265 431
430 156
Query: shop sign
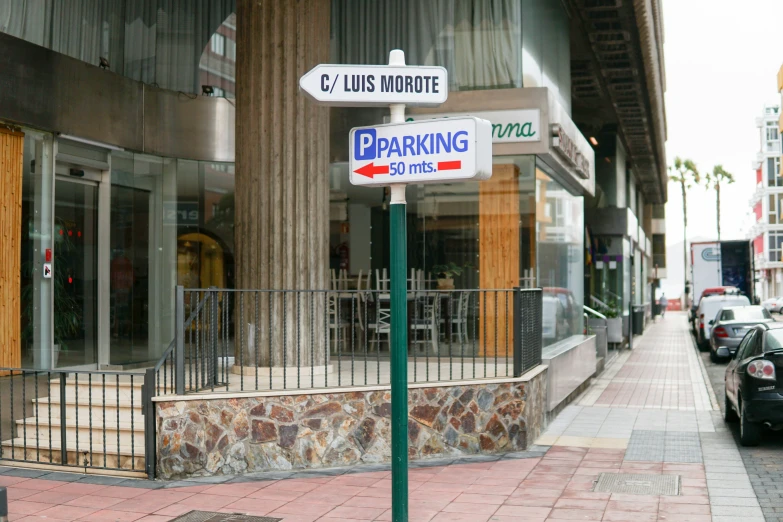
429 151
512 126
184 213
567 148
375 85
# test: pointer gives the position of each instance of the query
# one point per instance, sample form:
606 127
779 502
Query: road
764 463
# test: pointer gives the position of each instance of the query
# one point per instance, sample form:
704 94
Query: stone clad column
282 184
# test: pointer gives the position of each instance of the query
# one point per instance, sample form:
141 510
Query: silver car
730 326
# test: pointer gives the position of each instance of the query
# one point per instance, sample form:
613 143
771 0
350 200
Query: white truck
717 264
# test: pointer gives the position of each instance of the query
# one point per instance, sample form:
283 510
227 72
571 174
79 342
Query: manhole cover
634 484
211 516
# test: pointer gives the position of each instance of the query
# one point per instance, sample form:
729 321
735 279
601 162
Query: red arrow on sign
371 170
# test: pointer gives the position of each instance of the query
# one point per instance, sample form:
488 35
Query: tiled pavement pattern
654 402
654 396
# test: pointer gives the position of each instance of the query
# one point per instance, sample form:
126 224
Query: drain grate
211 516
637 484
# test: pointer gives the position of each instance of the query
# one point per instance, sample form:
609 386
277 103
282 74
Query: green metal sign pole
399 343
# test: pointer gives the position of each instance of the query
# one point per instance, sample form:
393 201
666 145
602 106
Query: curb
704 376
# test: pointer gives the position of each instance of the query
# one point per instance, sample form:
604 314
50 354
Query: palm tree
686 174
713 180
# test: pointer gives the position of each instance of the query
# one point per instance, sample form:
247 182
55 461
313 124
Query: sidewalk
650 413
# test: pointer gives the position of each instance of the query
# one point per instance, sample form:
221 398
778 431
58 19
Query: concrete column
282 184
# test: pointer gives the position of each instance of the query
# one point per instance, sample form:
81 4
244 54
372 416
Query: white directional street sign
427 151
376 85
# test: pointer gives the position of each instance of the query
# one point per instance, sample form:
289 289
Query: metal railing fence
254 340
83 419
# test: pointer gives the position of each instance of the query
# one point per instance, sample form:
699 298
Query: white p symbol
364 144
366 141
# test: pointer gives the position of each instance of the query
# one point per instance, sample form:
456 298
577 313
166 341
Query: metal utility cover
211 516
637 484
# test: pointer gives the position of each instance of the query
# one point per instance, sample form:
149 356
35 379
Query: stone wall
214 436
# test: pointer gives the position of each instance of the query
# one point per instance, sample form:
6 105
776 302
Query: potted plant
446 274
614 323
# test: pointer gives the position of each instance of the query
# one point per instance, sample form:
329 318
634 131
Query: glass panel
484 44
143 250
560 259
75 273
129 274
160 42
36 234
172 223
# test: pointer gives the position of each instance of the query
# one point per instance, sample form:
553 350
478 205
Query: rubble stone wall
233 435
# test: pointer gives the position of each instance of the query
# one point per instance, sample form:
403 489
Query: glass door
75 273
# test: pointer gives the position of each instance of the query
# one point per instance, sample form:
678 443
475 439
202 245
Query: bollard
3 505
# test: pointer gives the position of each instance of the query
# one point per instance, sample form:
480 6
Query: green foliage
611 310
684 172
717 176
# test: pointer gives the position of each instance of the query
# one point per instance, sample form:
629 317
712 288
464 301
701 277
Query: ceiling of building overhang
609 86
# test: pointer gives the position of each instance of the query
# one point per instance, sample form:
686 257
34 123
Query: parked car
708 309
555 323
754 395
730 326
568 301
708 292
778 306
772 304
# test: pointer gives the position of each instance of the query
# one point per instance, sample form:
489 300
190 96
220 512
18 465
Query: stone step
98 410
98 388
135 435
125 459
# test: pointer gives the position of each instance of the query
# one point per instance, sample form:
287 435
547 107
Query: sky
722 59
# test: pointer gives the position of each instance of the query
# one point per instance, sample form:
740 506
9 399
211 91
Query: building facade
767 204
151 138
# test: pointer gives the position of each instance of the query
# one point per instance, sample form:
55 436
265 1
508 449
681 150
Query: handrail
166 354
597 314
596 300
188 322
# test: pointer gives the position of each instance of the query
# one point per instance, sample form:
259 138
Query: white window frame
218 44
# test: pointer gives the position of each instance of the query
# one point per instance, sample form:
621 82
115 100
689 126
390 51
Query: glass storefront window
159 42
560 259
172 224
484 44
521 228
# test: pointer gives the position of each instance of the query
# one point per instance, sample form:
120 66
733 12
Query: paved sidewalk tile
649 413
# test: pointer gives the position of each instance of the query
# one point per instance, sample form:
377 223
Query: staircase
102 418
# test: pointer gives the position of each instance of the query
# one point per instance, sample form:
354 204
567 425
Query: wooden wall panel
11 157
499 229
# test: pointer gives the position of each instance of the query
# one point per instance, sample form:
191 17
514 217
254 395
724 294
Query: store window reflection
484 44
560 259
520 228
172 224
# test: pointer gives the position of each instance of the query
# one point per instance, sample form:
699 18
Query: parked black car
754 395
